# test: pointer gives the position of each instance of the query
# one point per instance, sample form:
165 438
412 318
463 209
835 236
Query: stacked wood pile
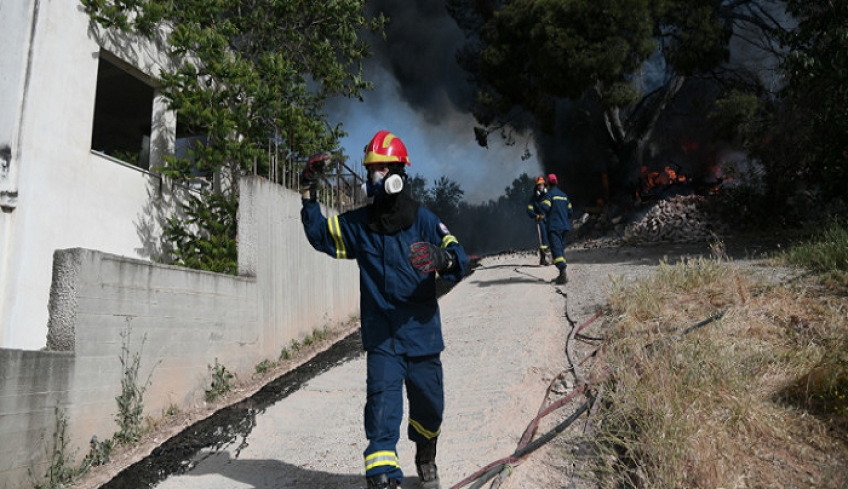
678 219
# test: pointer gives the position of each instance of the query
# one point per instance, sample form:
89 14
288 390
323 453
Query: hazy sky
421 95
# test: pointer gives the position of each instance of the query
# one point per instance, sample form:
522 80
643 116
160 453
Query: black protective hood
392 213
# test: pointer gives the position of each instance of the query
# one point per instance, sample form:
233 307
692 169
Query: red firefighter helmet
540 181
385 147
552 179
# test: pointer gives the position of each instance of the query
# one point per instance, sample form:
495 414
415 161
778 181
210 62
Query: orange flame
667 176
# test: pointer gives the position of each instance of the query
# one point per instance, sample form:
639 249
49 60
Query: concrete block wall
33 384
298 286
179 321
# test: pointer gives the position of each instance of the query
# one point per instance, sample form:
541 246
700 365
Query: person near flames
534 210
399 247
558 212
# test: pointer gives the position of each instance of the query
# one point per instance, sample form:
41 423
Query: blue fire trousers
557 240
387 374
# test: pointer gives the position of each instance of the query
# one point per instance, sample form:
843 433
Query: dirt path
505 331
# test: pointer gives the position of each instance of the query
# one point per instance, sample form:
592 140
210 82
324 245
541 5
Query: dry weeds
754 399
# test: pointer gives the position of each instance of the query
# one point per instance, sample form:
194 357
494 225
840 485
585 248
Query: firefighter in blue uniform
534 210
558 212
399 246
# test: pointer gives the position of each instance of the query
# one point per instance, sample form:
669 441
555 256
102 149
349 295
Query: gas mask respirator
378 186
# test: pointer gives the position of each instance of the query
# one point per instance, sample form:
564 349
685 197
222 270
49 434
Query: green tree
251 75
519 192
625 61
205 237
817 70
798 133
498 225
444 199
418 188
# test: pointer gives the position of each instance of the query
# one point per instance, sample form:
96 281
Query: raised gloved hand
311 172
427 257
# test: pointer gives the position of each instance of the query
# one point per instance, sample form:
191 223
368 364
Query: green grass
826 254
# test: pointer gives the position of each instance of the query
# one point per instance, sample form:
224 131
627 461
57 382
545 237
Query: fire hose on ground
501 469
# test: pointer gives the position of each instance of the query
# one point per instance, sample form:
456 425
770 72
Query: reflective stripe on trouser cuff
543 247
378 459
423 432
559 259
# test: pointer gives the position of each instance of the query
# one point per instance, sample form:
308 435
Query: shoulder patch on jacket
443 230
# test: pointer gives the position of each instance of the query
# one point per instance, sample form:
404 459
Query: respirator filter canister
393 184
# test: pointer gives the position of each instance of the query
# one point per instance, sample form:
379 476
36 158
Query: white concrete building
81 124
70 96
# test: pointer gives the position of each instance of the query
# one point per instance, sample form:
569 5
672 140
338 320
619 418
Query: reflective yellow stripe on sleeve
336 233
378 459
448 239
420 429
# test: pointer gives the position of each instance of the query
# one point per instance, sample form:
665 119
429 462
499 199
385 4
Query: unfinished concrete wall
180 321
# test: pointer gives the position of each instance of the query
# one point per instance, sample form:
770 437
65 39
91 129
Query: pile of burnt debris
678 219
699 218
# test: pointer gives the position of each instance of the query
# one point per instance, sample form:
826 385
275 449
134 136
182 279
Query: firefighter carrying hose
558 212
534 210
399 246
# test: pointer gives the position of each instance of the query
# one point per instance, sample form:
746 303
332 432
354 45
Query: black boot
382 481
543 259
425 463
562 279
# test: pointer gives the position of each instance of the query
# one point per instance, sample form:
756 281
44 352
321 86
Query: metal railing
340 188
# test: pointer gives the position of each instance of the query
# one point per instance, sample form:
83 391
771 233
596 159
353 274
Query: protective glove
539 217
427 257
311 172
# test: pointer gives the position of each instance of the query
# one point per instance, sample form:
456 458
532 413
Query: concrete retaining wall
180 322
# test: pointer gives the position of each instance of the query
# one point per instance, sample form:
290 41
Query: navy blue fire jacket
398 304
534 206
558 210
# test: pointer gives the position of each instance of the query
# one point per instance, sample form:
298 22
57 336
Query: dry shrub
736 403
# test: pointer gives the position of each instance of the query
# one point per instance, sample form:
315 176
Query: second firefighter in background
558 213
535 211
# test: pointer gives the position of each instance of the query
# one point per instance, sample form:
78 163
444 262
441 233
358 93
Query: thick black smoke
419 51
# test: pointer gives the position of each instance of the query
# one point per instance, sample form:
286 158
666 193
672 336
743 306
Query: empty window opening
123 110
189 142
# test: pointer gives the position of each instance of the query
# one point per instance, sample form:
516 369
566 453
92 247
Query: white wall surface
67 197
